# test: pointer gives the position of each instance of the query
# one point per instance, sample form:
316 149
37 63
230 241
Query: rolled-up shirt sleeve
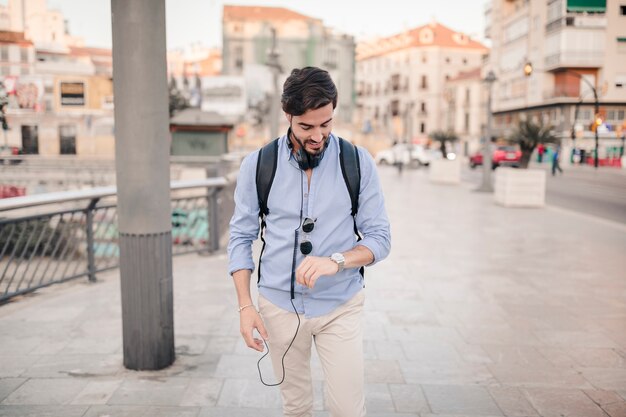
244 225
371 219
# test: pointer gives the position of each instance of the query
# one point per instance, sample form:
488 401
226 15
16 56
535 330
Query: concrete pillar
142 165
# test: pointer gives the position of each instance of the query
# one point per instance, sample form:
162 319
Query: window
467 96
422 127
24 55
620 115
67 139
4 53
423 107
466 123
238 53
622 10
424 83
424 60
610 115
447 60
30 139
464 61
395 107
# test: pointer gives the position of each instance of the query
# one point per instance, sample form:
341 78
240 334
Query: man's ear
288 117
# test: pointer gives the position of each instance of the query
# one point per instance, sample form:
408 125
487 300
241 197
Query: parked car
501 156
408 154
12 151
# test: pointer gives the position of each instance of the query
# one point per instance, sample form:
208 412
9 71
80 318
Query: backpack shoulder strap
351 171
265 172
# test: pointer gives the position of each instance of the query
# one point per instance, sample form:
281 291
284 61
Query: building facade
572 46
301 41
401 79
465 100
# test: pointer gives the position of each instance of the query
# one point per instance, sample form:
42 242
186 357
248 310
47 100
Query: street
600 192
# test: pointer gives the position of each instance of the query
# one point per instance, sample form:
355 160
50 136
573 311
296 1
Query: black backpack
266 170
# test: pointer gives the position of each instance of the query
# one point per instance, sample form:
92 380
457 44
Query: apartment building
301 41
465 100
574 47
401 79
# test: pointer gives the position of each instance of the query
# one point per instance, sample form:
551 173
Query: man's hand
248 321
314 267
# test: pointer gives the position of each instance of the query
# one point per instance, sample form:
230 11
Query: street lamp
273 63
528 70
486 185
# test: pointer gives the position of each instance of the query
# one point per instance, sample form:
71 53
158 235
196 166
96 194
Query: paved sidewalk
478 311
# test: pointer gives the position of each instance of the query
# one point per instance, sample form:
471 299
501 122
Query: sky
199 21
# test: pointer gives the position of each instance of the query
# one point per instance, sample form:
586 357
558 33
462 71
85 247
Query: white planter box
443 171
520 187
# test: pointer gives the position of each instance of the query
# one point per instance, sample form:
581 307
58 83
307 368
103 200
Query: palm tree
442 137
530 134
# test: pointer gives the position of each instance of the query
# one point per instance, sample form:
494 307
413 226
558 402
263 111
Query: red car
502 156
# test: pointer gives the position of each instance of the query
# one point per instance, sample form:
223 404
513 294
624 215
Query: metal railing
55 245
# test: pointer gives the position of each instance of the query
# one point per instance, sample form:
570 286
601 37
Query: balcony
578 58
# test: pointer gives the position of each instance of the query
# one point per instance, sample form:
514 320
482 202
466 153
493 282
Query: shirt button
306 194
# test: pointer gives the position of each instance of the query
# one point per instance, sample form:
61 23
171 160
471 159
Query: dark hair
306 89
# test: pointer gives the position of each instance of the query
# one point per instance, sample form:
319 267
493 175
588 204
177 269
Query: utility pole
142 151
486 185
274 64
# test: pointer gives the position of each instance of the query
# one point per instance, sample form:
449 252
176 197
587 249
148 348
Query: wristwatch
339 259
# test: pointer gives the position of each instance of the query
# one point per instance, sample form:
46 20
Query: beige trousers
338 338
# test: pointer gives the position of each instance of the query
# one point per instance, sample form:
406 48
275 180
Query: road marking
597 219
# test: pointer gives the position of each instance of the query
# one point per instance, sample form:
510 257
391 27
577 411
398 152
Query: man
309 235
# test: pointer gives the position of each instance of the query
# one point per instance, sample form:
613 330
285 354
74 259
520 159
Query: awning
595 6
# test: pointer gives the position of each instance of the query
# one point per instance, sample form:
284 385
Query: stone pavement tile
153 392
449 374
498 335
242 366
473 353
521 376
202 392
512 402
431 352
597 357
192 366
558 357
54 391
248 393
378 398
15 365
140 411
609 401
408 398
190 344
101 344
8 385
97 392
54 366
421 332
456 399
374 331
222 344
525 356
384 372
563 402
43 410
369 351
612 379
386 350
239 412
578 339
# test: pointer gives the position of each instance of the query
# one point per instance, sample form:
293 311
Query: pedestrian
555 161
400 154
541 149
310 284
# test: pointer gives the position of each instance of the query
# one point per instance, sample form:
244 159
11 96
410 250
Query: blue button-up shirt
328 201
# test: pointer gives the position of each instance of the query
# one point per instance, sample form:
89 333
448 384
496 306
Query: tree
530 134
442 137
